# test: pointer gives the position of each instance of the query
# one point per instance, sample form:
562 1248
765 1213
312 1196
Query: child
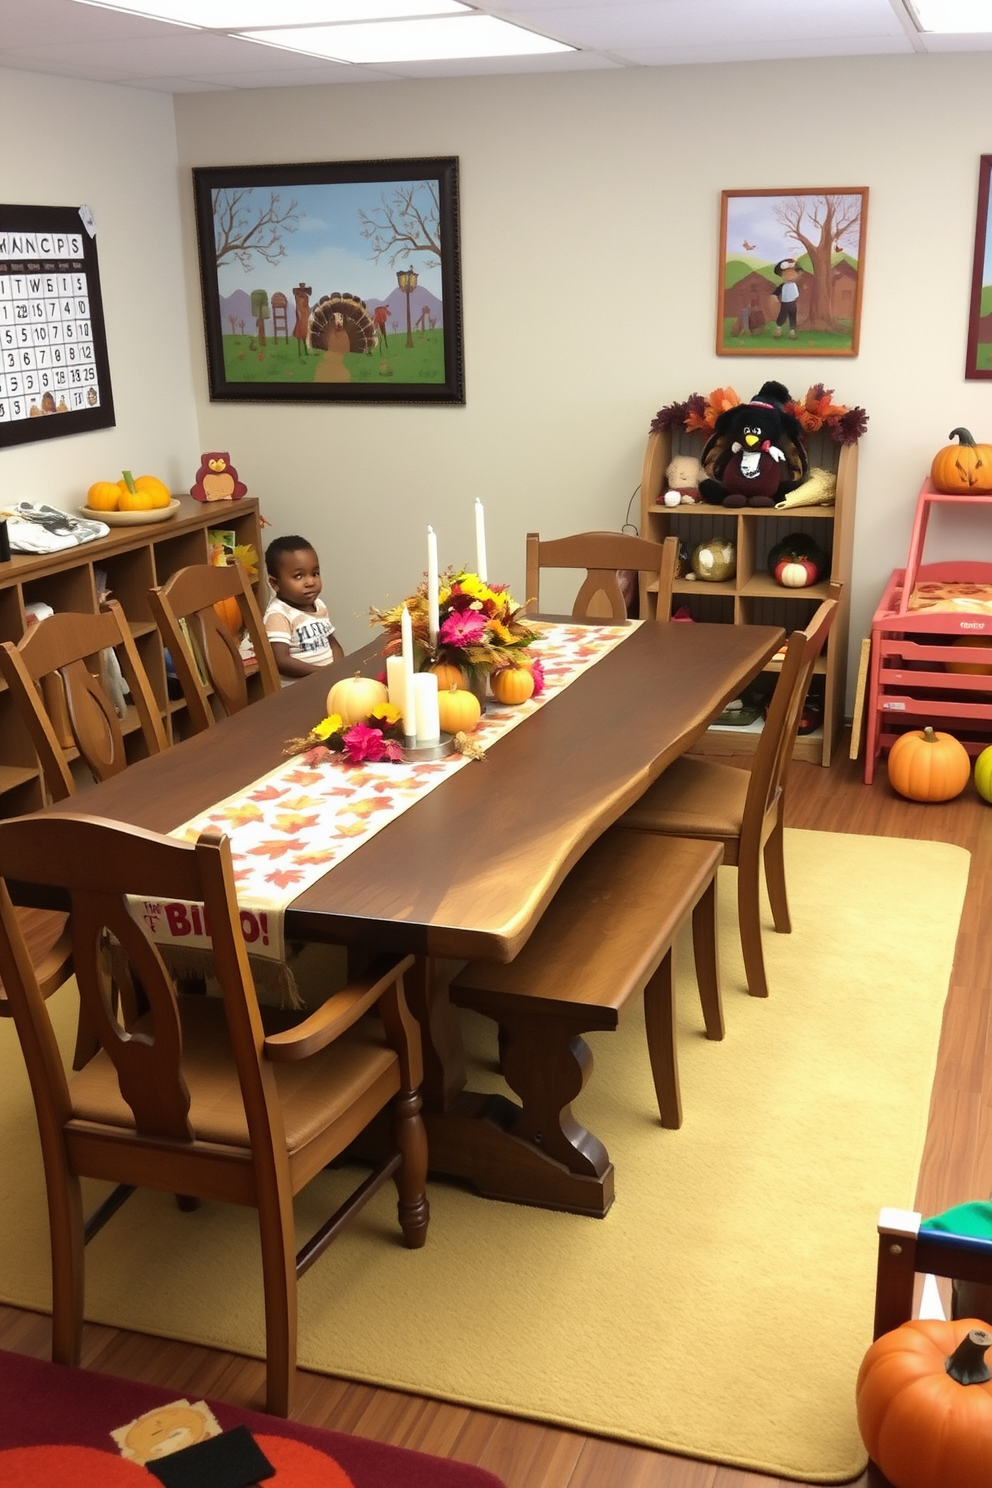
296 619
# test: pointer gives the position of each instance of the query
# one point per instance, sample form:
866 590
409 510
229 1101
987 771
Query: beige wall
65 143
589 224
590 209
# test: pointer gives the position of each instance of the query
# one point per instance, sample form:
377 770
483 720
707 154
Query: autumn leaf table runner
296 823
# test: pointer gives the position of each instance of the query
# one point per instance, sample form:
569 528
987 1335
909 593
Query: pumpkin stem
963 435
967 1363
129 480
929 735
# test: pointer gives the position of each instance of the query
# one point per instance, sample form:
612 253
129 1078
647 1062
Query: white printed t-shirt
307 634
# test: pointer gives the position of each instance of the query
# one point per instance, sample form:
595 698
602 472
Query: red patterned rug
70 1428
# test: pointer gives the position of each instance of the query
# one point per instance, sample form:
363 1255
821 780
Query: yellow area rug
722 1307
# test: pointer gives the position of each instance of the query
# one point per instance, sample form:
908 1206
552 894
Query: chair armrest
338 1013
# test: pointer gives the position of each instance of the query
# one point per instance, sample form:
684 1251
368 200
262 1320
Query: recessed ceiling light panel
952 17
239 15
428 40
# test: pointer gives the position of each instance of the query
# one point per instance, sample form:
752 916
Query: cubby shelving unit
752 596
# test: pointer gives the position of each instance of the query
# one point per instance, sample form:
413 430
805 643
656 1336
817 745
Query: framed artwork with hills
332 282
979 363
791 271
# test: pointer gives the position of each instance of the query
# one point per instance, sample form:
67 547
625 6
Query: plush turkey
756 454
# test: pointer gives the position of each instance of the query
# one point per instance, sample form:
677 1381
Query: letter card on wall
54 370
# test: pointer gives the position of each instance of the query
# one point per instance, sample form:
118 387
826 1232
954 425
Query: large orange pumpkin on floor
962 468
924 1398
928 766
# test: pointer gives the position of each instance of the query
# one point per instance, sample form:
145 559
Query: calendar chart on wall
54 368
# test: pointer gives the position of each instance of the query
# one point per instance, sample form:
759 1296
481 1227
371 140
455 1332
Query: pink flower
463 629
393 751
363 743
537 672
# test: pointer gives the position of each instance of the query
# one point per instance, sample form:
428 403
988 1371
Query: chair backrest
63 702
604 555
197 636
778 737
100 863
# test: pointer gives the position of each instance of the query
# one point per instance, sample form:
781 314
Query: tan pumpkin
353 698
928 766
448 676
512 685
964 467
458 710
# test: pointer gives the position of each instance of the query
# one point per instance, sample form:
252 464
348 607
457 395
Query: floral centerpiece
481 628
369 741
815 411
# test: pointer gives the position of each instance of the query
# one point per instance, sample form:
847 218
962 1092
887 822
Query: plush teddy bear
756 454
682 477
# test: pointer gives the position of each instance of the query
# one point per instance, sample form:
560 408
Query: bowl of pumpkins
130 501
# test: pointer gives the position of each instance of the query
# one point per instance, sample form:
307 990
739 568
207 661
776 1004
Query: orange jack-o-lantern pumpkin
962 468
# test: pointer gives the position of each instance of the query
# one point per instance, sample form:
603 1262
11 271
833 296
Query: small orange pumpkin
512 685
353 698
928 766
103 496
448 676
964 467
924 1401
458 710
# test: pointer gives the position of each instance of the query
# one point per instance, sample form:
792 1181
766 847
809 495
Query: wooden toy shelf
753 597
132 559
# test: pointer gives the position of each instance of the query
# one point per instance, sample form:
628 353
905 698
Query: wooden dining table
467 872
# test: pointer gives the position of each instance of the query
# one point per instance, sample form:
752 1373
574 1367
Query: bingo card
54 371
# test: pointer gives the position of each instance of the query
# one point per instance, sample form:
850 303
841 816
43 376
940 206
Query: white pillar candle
480 542
428 722
432 589
408 705
394 680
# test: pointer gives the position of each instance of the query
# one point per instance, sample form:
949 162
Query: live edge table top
468 871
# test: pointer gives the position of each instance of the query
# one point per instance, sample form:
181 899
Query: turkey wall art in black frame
54 369
332 283
980 320
791 271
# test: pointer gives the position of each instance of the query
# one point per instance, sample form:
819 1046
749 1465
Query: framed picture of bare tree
791 272
980 320
332 282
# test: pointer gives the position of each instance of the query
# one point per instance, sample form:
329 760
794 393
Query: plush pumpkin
353 698
103 496
448 677
924 1401
797 561
512 685
928 766
458 710
964 467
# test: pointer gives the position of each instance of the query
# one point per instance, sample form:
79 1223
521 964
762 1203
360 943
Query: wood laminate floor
957 1165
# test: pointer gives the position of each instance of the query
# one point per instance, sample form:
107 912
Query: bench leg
704 946
546 1064
659 1020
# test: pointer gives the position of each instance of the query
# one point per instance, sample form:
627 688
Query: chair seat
49 946
313 1093
693 798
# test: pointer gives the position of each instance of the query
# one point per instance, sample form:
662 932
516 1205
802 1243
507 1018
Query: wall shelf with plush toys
125 563
743 563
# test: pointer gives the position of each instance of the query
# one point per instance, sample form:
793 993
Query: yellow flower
328 726
500 631
387 712
443 594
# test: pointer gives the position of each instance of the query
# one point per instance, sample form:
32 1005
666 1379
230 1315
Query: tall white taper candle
480 542
408 704
432 589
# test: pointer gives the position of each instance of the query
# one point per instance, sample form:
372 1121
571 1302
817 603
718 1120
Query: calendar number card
54 370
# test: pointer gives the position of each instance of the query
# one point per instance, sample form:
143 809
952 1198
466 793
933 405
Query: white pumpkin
353 698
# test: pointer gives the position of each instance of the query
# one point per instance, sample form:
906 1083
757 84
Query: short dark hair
281 545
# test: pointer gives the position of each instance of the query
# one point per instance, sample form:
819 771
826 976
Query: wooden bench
606 935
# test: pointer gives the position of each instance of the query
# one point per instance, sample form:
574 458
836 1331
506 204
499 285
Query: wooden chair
189 597
745 810
211 1098
64 704
603 555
